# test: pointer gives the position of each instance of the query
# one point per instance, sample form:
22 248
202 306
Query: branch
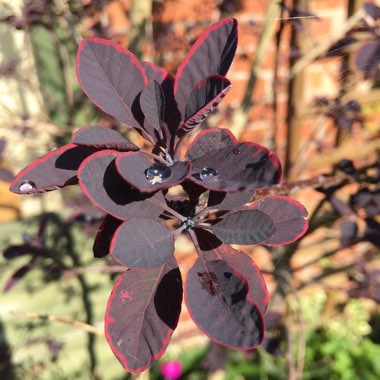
323 46
51 318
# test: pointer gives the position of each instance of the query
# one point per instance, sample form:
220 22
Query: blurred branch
51 318
141 26
323 46
95 269
241 114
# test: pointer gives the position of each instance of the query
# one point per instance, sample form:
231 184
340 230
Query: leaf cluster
225 292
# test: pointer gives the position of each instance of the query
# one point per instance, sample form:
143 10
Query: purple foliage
225 292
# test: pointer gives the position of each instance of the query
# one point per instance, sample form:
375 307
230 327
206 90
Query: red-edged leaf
172 116
142 313
104 236
240 167
140 172
367 59
152 102
111 76
216 297
228 201
212 54
102 184
287 215
102 138
244 227
210 139
213 249
56 169
207 94
17 276
142 243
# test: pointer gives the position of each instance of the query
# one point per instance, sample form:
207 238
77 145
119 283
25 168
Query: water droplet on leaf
26 186
236 151
158 173
208 174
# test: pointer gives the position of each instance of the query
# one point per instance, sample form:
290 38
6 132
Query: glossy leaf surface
133 168
103 185
56 169
216 297
142 313
228 201
152 102
208 140
211 54
172 116
102 138
288 217
240 167
142 243
213 249
111 76
207 94
244 227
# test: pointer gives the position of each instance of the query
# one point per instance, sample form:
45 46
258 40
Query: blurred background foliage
305 84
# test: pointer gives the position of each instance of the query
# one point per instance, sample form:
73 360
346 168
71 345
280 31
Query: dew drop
236 151
26 186
119 342
158 173
208 174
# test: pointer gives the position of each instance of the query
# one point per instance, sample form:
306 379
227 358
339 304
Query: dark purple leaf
3 144
152 102
142 313
102 138
104 236
372 232
142 243
372 10
146 176
367 199
288 217
240 167
210 139
216 297
367 59
244 227
213 249
211 54
17 276
172 116
228 201
207 94
6 175
103 185
19 250
340 47
56 169
348 233
111 76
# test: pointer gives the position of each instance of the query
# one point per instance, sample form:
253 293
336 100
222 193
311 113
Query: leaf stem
155 156
182 218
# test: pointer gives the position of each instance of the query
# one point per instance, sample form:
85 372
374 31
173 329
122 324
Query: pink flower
171 370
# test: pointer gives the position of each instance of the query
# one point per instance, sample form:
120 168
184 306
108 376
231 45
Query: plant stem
52 318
